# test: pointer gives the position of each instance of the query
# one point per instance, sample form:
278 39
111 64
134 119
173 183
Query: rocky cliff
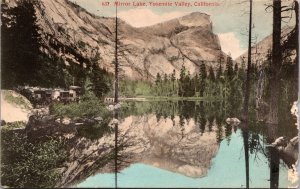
73 34
263 49
14 107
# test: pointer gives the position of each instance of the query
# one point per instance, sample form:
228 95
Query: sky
230 19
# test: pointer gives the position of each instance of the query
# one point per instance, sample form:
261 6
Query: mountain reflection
179 136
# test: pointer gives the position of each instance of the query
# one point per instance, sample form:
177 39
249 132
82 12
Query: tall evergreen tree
219 72
236 69
181 83
203 75
173 79
158 79
229 68
165 78
212 76
20 45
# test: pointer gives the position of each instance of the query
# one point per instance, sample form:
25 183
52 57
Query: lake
189 144
185 144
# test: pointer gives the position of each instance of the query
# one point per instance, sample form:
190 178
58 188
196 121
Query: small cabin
39 94
46 95
75 92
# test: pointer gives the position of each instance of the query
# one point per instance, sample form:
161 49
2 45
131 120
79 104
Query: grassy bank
169 98
177 98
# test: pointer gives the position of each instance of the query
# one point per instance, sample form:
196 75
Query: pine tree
196 84
236 69
229 68
188 85
173 79
165 88
203 73
158 79
182 73
21 39
100 80
212 76
181 83
165 78
203 76
219 72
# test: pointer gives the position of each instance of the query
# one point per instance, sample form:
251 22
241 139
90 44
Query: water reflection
187 141
184 137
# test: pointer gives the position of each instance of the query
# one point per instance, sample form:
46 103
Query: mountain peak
76 36
195 19
197 14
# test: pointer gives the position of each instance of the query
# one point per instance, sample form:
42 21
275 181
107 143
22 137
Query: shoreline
162 98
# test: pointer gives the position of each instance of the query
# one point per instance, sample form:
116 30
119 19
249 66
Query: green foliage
229 72
100 79
143 88
219 72
20 37
95 131
158 79
212 76
29 164
225 85
236 68
90 106
14 125
22 41
203 72
129 88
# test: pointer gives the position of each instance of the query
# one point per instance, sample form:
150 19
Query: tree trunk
247 84
274 87
116 62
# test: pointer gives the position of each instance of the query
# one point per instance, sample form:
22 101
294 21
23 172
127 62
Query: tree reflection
246 151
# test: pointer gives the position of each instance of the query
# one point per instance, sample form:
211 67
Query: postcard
149 93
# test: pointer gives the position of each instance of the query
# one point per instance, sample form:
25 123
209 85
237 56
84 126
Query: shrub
89 106
15 125
29 164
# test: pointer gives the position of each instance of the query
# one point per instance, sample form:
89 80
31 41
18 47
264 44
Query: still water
189 144
227 170
153 144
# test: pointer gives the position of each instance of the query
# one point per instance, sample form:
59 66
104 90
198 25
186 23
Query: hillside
261 49
76 37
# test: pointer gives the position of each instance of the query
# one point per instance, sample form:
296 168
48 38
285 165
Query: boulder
110 107
280 142
117 106
233 121
294 140
114 107
66 121
98 119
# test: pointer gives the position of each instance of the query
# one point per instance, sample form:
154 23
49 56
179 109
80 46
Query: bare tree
116 61
247 84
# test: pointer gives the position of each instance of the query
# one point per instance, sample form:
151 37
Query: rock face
261 50
70 32
14 107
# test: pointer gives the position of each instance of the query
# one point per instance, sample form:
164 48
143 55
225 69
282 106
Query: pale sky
230 19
